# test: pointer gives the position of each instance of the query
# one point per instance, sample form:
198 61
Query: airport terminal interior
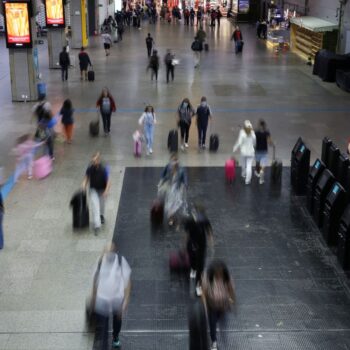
291 290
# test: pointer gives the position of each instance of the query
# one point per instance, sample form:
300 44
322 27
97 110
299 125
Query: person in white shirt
246 143
148 119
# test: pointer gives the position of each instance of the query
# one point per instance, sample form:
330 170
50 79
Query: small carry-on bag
173 141
80 210
230 170
179 261
157 212
91 74
94 127
137 140
42 167
214 142
206 47
276 169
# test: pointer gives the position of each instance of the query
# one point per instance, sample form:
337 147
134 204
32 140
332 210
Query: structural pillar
56 39
79 23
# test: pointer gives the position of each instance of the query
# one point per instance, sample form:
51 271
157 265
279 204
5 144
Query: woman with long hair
148 120
106 105
185 114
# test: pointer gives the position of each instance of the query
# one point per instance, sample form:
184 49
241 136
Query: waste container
300 169
314 175
322 189
334 207
343 246
326 144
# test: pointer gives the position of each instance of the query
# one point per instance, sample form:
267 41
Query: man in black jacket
64 63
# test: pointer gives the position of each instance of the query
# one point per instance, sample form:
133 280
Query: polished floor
47 269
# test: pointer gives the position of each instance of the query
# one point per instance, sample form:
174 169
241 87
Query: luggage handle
273 151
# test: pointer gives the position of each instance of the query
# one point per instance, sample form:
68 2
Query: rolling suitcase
179 261
94 128
230 170
42 167
91 75
213 143
80 210
173 141
157 212
206 47
276 169
137 148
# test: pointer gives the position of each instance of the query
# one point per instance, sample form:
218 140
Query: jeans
184 130
169 70
202 133
106 119
103 322
64 73
149 133
213 317
247 163
97 203
149 51
1 231
238 45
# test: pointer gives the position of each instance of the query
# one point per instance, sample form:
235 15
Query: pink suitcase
137 148
230 170
42 167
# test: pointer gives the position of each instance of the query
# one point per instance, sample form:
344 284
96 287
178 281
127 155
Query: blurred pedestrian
169 65
111 289
218 15
198 228
120 30
246 143
107 106
185 113
84 62
67 119
192 16
197 324
197 48
218 294
107 42
149 44
154 64
148 120
98 179
238 39
64 61
203 116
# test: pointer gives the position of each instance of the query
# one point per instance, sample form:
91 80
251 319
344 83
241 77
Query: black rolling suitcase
206 47
214 142
80 210
173 141
276 169
91 75
94 128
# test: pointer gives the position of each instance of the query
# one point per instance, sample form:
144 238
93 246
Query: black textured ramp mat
291 293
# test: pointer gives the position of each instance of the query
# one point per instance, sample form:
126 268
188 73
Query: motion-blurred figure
111 291
218 294
67 119
197 323
98 179
169 65
154 64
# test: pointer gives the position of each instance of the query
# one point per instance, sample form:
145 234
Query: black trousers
213 316
103 322
169 70
154 72
202 133
212 22
106 119
64 72
184 130
49 144
197 259
149 50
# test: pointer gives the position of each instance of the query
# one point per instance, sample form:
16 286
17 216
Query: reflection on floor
291 293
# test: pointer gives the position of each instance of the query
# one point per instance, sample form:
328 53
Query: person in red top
238 38
107 106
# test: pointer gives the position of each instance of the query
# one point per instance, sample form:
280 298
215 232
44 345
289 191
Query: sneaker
193 273
147 152
214 346
96 231
247 182
151 150
256 173
102 219
30 177
186 145
116 343
182 148
199 291
203 146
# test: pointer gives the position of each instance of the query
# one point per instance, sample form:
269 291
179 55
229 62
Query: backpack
149 41
195 46
110 285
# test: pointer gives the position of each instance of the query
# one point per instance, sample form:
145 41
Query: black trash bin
326 144
322 189
300 170
333 209
343 246
332 159
314 175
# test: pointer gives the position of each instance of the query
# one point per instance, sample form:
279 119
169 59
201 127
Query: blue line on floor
235 110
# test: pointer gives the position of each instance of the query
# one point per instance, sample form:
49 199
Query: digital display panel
243 6
17 25
335 189
302 149
54 12
317 164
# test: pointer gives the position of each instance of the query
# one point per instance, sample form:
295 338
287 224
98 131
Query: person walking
106 105
198 228
185 113
213 16
218 295
149 44
218 15
192 16
84 62
197 324
111 293
199 17
246 142
169 65
238 39
154 64
98 179
67 119
107 42
203 115
64 61
148 120
197 48
120 31
263 139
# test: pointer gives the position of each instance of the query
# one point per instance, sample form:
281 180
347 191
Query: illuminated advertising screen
243 6
54 11
17 25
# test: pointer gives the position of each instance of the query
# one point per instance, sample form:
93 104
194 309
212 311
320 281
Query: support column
56 39
79 23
